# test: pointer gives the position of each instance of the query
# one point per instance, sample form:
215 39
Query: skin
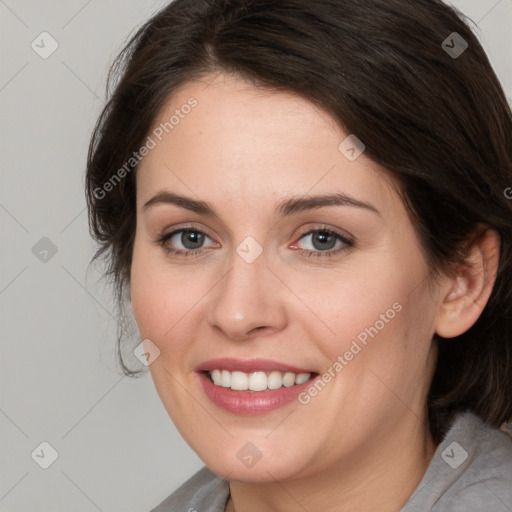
362 443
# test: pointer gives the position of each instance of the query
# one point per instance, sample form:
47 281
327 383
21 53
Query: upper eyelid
186 227
338 232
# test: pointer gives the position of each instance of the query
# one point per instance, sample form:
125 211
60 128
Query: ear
465 295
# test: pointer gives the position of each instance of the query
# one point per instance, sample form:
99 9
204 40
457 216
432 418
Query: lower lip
251 403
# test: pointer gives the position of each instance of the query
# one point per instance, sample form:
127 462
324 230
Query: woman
305 203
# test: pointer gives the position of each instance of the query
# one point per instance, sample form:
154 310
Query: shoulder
470 471
204 492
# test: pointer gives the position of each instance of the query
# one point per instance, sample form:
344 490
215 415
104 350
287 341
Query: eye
323 242
189 242
184 241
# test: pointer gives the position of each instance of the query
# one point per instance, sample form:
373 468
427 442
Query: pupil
322 237
192 239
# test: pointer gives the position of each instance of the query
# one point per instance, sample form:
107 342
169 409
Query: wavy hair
437 120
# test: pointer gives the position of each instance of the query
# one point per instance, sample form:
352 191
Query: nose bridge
247 298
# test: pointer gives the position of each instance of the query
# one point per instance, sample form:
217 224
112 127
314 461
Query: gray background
59 380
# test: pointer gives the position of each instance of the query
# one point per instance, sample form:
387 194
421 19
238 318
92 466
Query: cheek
153 297
379 313
164 300
350 301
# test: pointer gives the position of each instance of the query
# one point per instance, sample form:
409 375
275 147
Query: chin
247 465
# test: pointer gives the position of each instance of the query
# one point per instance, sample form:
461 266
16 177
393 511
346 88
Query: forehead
222 138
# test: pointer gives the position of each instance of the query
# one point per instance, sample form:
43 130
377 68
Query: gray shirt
471 471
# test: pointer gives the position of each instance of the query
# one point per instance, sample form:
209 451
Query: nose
248 301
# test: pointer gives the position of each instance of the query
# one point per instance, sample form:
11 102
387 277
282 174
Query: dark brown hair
439 122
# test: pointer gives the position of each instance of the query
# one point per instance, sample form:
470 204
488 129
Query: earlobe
470 289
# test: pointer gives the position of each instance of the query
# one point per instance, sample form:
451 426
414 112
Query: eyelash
192 253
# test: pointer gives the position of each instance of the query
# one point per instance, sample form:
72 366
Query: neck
376 479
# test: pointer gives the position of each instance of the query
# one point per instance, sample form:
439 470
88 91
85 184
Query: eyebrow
287 207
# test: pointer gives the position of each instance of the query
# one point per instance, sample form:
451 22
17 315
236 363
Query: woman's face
335 288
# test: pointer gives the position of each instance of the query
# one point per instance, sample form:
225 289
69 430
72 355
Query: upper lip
249 365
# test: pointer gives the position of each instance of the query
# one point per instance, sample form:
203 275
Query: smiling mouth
257 381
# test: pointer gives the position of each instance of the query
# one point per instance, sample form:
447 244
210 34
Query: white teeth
302 377
274 380
288 379
216 376
257 381
239 381
225 379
